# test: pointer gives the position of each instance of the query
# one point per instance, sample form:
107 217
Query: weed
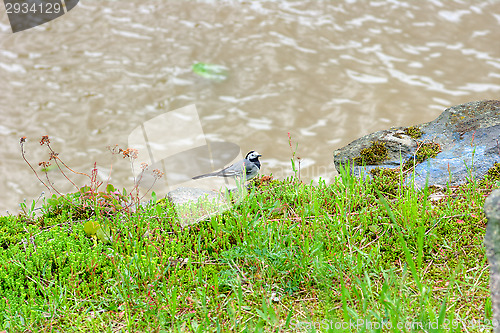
295 167
386 180
492 176
289 257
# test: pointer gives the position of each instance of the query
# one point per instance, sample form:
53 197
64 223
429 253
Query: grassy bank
291 257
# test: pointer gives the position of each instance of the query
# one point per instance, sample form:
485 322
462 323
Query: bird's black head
253 156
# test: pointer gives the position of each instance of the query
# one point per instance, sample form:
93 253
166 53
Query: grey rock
468 135
492 244
183 195
193 205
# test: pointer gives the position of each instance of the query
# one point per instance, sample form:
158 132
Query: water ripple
328 72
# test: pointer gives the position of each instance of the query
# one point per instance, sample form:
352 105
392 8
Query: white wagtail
250 165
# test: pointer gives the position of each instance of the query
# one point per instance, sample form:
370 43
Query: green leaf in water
210 71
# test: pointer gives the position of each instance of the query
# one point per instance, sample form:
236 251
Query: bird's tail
205 175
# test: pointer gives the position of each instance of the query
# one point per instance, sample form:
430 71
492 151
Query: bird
250 165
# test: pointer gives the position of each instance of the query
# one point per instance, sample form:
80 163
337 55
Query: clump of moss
492 176
386 180
374 154
427 150
424 151
494 172
414 132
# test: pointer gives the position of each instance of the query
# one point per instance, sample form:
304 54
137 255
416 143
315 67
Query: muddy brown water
325 72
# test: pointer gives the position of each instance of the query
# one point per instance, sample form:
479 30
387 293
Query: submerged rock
465 139
492 244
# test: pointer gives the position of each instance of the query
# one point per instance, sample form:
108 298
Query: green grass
291 257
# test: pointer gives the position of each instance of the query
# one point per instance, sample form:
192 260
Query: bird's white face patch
253 155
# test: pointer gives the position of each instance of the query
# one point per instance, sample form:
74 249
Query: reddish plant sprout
44 164
130 153
91 193
55 156
45 140
134 153
157 174
21 142
144 167
94 183
114 150
294 152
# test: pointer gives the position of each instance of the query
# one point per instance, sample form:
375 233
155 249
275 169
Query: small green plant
288 257
386 180
295 160
29 212
88 200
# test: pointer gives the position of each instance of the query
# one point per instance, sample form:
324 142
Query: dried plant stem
24 158
50 183
56 158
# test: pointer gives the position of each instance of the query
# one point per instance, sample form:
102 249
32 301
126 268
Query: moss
427 150
492 176
387 180
494 172
377 152
424 151
414 132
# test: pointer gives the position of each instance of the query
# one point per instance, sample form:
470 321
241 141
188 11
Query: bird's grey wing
244 167
233 170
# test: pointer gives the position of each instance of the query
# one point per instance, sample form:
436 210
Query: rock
183 195
193 205
492 244
464 140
